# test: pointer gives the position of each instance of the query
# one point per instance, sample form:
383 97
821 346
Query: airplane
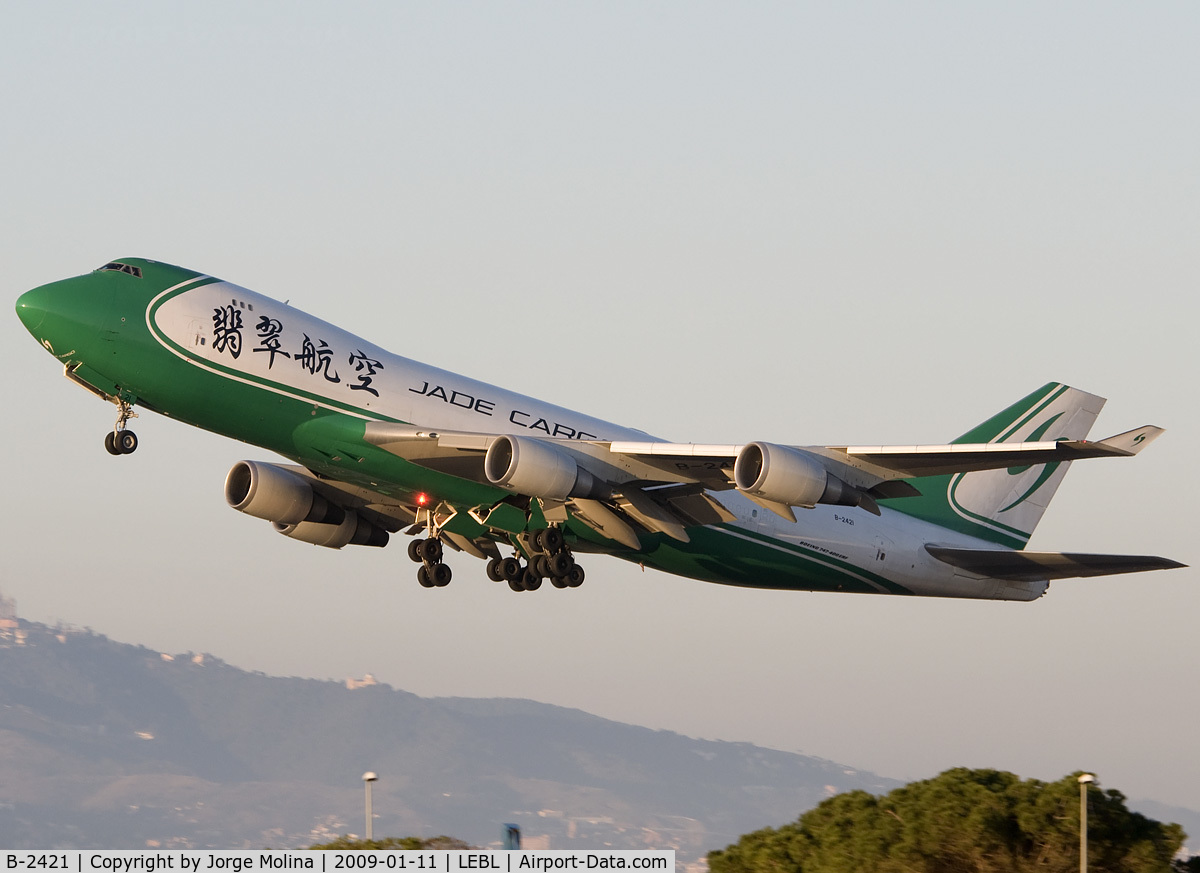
379 444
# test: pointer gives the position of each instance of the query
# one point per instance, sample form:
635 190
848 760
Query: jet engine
278 495
533 467
790 476
353 530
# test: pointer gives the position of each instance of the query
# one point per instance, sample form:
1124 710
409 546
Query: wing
620 487
479 490
1036 566
780 477
872 465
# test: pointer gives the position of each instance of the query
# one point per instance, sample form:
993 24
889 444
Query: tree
983 821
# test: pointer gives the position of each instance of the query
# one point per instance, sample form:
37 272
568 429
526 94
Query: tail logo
1004 505
1047 469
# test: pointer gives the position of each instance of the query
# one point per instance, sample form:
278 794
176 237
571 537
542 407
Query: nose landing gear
120 441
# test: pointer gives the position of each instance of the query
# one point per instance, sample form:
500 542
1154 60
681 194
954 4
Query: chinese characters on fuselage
227 329
362 362
315 356
269 330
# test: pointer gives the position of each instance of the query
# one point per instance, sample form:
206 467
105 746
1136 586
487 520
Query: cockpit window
117 267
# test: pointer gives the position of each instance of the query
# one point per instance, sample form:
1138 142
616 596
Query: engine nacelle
532 467
277 495
353 531
790 476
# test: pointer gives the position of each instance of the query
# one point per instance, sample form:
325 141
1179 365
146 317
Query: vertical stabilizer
1004 506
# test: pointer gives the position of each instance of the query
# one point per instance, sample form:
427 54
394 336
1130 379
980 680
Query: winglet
1133 441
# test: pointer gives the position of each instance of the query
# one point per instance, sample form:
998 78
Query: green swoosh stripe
1042 479
1033 438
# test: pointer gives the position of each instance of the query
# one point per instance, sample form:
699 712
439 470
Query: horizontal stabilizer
1034 566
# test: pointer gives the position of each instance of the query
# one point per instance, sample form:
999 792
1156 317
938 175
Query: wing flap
605 522
650 514
694 505
1034 566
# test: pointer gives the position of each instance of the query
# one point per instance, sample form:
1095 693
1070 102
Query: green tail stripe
1014 417
937 503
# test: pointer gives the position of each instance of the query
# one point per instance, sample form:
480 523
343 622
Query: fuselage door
197 335
883 548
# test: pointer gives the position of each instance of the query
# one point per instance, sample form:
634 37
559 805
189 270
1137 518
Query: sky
806 223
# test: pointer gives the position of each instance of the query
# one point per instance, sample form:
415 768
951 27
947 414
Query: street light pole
368 778
1084 780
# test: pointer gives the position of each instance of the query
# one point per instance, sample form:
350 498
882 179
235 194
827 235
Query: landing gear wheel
431 550
515 585
559 582
440 575
414 550
423 577
121 441
575 577
560 564
541 565
511 569
552 539
493 570
531 580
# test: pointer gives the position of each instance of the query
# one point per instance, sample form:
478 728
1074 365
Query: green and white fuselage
391 442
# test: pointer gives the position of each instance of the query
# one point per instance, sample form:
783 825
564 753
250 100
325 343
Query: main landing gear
549 559
428 553
120 441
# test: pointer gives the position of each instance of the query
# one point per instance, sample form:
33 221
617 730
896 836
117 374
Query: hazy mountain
110 745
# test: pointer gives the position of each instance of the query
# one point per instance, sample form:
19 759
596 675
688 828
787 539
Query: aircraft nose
69 313
31 309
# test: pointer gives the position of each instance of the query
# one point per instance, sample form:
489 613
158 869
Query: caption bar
439 861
